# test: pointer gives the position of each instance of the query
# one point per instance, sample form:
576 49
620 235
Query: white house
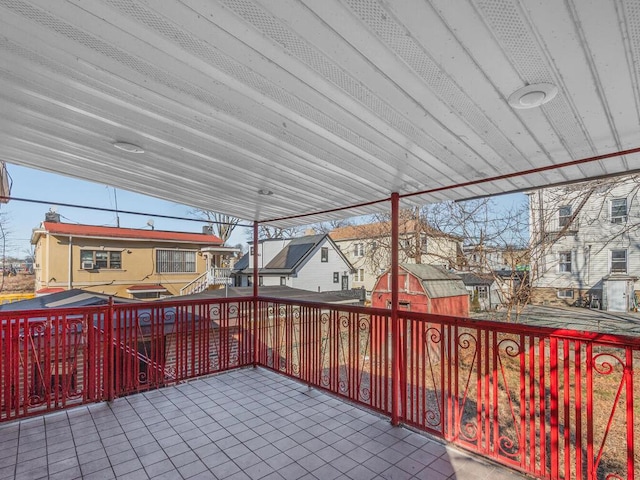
312 262
585 245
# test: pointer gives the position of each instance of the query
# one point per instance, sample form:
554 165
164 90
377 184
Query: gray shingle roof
437 282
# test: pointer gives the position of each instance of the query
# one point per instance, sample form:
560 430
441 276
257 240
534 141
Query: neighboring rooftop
277 291
96 231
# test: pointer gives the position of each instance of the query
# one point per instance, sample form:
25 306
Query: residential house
311 262
423 288
126 262
484 290
585 244
368 248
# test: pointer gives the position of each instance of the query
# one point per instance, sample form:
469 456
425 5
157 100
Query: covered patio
295 112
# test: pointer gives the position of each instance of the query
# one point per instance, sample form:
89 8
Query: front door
345 282
617 295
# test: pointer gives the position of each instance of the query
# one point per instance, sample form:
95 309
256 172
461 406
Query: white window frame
564 220
358 249
564 293
626 260
324 254
483 292
359 275
618 218
562 265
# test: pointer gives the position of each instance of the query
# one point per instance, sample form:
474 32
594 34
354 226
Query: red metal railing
555 403
57 358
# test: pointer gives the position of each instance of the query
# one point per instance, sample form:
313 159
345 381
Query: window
618 210
175 261
359 275
618 261
336 277
566 293
483 292
564 216
324 254
283 281
260 281
564 262
101 258
358 249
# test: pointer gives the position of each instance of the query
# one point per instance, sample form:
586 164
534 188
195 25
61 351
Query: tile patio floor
244 424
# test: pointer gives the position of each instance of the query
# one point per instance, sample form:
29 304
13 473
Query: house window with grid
336 277
324 254
564 216
483 292
618 210
618 261
359 275
175 261
358 249
564 262
565 293
101 259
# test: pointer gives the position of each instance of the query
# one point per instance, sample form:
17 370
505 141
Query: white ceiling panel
327 104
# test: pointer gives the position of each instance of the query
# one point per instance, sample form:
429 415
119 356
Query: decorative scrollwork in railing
509 446
432 415
468 430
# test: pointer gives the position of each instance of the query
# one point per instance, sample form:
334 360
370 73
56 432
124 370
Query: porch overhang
269 110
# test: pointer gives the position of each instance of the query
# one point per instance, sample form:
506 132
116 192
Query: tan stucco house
127 262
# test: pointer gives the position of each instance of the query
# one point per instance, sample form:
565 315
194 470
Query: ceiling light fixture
533 96
128 147
264 191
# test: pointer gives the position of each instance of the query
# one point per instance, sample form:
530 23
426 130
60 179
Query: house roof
67 298
291 257
294 253
276 291
383 229
470 278
95 231
437 282
155 287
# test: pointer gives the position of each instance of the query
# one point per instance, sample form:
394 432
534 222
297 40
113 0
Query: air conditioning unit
87 266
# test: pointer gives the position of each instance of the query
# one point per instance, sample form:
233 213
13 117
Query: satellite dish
150 223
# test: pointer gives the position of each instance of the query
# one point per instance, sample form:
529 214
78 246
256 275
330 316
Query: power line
112 210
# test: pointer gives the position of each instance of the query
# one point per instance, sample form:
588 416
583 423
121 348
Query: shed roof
437 282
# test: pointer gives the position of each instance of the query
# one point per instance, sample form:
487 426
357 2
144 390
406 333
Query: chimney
207 229
52 216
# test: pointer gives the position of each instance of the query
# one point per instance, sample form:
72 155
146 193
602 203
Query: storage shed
424 288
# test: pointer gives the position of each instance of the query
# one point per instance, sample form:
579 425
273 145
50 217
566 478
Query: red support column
108 338
395 326
255 294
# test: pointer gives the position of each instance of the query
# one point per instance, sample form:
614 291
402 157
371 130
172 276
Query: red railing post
395 326
255 294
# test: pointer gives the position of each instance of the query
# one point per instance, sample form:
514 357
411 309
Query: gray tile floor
245 424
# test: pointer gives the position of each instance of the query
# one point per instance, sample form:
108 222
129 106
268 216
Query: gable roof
292 256
383 229
470 278
294 252
437 282
96 231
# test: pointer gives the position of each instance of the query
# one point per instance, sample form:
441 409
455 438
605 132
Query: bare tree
328 227
269 232
495 245
223 224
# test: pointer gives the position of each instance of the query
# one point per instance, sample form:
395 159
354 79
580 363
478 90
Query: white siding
317 276
590 239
